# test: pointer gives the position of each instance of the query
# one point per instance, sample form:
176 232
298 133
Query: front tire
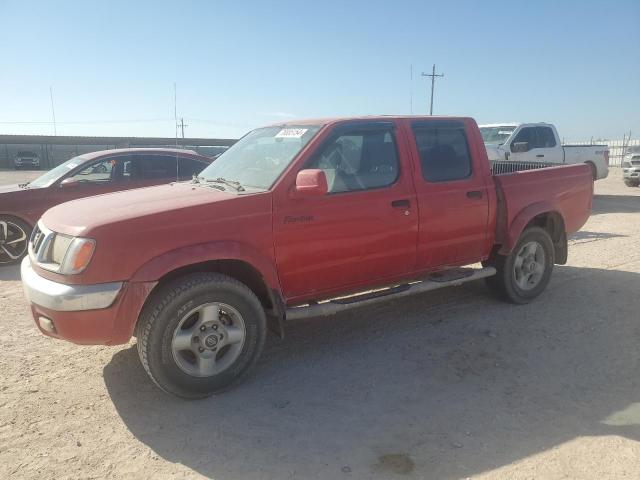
524 273
14 239
201 334
631 183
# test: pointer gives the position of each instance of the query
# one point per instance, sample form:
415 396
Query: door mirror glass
311 182
520 147
69 183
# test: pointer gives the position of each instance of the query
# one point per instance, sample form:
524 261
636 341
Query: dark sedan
85 175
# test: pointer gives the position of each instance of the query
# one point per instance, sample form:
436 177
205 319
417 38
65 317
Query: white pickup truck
539 143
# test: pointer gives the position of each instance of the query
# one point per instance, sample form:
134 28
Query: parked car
294 220
26 159
82 176
631 167
540 143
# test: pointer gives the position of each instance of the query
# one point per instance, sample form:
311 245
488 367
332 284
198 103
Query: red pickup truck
300 219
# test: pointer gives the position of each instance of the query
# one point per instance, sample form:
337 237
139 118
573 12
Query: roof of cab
332 120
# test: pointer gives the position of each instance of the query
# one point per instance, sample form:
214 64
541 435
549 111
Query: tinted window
546 138
358 160
527 134
444 153
150 167
190 167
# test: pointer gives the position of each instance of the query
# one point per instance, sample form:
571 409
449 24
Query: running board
445 278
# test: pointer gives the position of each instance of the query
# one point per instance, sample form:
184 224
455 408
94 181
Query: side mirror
520 147
311 183
69 183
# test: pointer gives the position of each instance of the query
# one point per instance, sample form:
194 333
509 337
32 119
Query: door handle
474 194
400 203
540 155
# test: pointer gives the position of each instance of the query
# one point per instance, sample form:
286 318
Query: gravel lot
451 384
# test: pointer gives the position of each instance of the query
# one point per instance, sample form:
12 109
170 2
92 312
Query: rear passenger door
364 230
452 195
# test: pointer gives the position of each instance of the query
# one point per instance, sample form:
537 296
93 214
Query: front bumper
96 314
633 173
66 298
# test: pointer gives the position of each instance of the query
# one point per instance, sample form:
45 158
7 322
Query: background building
53 150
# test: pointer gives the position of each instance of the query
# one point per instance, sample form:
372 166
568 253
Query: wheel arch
543 215
238 261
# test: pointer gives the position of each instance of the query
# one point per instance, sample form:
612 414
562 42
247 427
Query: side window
527 134
444 152
188 167
359 160
546 138
150 167
100 172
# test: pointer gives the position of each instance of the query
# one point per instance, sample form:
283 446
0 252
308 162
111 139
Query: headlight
78 256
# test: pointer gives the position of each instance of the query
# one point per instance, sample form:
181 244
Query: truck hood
135 208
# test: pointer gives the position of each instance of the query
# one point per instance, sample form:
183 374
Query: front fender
521 220
172 260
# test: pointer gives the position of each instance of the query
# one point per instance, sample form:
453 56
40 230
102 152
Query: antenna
175 122
433 76
411 89
53 112
175 110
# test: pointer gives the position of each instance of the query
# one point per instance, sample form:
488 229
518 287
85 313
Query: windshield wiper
224 181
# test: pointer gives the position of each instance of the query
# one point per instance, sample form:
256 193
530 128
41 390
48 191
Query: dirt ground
450 384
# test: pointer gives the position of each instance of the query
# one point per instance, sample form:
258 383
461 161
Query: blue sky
237 65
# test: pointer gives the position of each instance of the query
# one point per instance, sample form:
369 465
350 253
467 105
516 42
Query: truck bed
566 189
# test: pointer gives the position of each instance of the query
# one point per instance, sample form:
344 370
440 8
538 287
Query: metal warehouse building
53 150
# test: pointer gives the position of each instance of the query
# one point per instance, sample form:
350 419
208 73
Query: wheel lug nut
203 328
201 349
215 327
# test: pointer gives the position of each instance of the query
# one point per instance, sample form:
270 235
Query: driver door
101 176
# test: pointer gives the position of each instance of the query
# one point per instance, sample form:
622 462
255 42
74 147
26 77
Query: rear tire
202 334
524 273
631 183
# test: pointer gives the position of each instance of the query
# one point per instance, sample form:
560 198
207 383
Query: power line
433 76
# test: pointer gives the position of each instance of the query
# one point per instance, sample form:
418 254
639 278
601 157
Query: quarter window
359 160
443 149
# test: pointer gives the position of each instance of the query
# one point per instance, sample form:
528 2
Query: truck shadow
615 204
442 385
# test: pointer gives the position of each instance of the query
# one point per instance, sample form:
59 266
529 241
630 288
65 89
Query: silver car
26 159
631 167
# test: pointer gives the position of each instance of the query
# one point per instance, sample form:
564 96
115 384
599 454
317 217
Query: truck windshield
258 158
56 173
496 135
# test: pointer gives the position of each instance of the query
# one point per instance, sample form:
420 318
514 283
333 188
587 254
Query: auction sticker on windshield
291 133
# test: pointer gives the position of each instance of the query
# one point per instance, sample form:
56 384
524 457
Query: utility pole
182 125
433 76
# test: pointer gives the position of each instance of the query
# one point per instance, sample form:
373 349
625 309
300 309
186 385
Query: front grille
37 239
